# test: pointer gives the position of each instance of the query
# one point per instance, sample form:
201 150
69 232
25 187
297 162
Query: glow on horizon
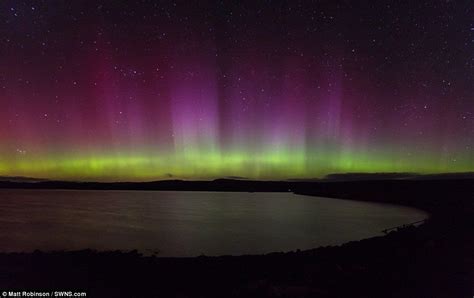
201 166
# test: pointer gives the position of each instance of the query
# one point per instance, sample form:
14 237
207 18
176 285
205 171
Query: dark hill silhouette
21 179
426 192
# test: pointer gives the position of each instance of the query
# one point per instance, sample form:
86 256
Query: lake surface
174 223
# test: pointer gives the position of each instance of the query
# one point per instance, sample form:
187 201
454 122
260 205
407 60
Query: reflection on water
177 223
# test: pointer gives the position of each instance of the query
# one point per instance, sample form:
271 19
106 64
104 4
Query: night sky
144 90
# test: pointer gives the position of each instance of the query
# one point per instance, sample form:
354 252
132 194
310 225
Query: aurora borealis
144 90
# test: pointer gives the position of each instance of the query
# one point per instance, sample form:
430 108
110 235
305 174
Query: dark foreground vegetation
435 259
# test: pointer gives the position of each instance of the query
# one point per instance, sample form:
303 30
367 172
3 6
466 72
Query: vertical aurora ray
197 92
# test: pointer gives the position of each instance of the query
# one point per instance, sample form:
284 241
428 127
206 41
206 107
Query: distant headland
428 192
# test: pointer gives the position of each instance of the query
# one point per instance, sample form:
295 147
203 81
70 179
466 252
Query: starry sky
149 90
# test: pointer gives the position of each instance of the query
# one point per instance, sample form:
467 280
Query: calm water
187 223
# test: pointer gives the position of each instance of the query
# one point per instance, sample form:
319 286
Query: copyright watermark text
4 293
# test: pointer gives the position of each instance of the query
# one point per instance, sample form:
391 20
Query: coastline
432 260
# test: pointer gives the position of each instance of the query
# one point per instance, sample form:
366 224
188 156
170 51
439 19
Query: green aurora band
270 165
